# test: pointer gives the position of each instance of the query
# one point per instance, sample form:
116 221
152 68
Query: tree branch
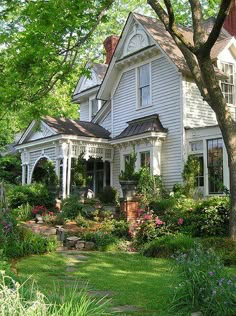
170 27
199 34
215 32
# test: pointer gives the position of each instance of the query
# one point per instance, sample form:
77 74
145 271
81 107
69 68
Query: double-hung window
215 165
144 91
228 84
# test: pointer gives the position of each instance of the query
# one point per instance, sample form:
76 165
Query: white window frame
90 106
224 82
145 152
139 106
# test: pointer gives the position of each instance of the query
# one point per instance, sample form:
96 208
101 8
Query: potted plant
80 180
129 178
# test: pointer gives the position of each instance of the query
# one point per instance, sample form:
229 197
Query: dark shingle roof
143 125
76 127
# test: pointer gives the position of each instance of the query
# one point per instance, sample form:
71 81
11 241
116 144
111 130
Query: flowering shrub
39 209
147 226
203 284
48 217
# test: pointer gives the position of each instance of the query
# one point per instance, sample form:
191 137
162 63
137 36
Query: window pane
144 76
215 165
145 159
94 107
145 96
227 84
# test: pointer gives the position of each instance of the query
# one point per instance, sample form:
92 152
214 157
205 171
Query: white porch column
111 173
64 177
69 169
23 174
28 174
156 158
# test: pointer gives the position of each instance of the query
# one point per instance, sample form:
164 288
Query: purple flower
211 273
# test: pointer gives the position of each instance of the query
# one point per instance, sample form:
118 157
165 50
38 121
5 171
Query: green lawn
136 280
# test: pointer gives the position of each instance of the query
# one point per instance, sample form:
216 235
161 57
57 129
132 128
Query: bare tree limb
215 32
170 27
199 34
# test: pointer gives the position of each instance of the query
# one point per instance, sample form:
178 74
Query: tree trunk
227 126
232 216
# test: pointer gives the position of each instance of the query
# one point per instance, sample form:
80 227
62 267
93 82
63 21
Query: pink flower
139 212
147 216
158 221
180 221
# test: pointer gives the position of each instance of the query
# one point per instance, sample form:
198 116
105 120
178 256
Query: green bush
23 212
108 195
200 218
166 246
203 285
104 241
213 216
224 247
71 208
81 221
121 229
34 194
10 169
23 242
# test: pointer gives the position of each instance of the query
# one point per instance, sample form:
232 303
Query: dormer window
228 85
144 90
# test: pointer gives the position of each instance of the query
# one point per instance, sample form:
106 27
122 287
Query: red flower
180 221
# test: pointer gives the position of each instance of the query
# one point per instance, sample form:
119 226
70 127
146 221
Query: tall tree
44 46
197 54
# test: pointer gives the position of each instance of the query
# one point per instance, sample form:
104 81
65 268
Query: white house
143 96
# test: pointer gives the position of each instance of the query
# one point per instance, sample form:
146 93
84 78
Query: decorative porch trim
139 139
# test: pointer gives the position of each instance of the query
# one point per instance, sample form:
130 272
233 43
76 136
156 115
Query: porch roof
143 125
76 127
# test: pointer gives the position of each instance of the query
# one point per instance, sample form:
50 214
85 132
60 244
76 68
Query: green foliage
34 194
79 176
25 299
121 229
224 247
23 212
22 242
167 246
108 195
208 217
10 169
71 208
81 221
129 174
213 216
104 241
149 187
203 284
44 172
190 171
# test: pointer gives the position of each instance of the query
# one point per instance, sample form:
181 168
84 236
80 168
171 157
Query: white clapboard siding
197 112
84 111
49 153
106 123
165 102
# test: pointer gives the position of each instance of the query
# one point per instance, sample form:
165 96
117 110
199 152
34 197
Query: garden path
74 258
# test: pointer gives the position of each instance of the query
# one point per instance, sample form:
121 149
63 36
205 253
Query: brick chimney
110 46
230 21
